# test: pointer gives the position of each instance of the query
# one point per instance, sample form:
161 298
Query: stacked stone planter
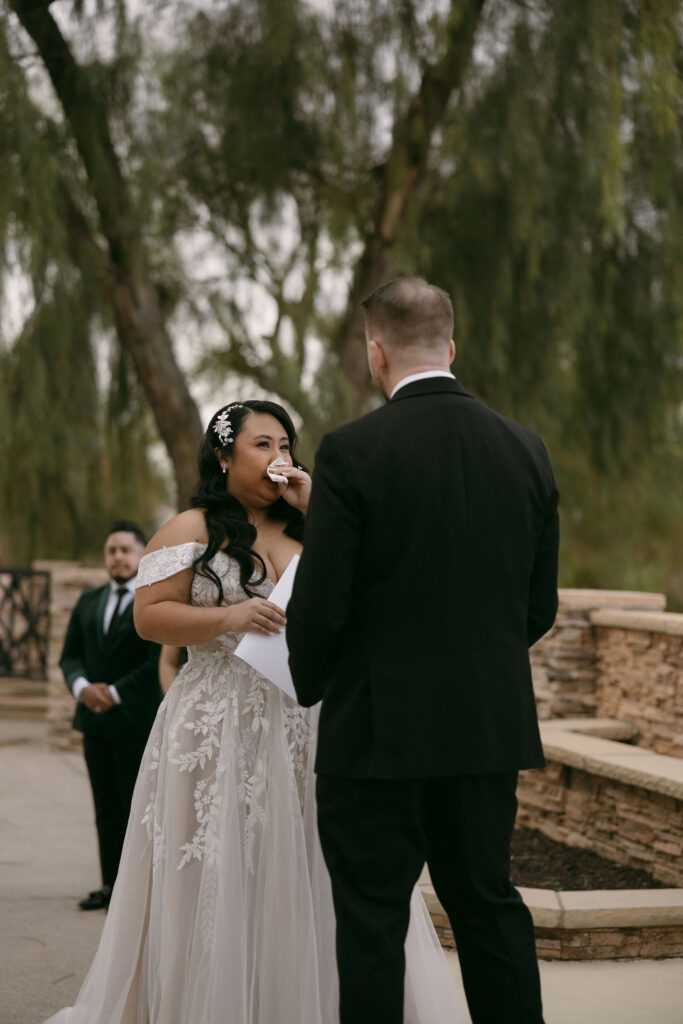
591 925
613 798
564 662
609 682
639 660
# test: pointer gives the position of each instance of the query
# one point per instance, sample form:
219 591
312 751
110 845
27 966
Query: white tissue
277 478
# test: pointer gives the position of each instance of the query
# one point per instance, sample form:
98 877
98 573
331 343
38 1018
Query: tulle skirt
222 910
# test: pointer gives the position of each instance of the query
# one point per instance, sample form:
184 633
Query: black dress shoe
98 900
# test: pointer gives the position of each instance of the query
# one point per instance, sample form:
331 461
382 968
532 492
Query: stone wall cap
622 908
670 623
63 572
596 908
633 766
544 906
571 597
74 578
48 564
607 728
558 743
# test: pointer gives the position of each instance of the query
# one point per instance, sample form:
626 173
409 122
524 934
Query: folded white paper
269 654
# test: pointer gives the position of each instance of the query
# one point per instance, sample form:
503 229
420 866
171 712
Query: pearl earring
224 468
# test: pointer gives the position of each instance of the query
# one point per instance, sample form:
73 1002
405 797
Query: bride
222 911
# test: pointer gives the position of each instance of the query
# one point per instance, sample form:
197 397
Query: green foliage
49 454
67 470
74 443
564 260
255 137
625 531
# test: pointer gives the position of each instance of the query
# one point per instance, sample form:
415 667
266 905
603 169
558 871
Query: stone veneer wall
69 579
564 661
609 943
622 800
591 943
639 660
627 824
599 925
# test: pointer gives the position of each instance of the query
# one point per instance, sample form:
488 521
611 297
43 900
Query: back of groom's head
409 314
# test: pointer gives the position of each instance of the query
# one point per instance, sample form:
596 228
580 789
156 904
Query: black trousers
376 836
113 766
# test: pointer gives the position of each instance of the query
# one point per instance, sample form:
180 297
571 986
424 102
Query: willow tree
525 156
95 204
520 153
68 461
312 134
277 160
566 271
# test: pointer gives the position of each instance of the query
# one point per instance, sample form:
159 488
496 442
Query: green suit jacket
120 658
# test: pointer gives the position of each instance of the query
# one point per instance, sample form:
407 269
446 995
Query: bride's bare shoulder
185 528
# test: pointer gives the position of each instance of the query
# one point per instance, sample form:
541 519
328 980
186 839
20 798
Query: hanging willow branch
397 181
132 292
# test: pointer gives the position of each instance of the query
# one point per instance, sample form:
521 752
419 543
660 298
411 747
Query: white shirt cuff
114 695
79 686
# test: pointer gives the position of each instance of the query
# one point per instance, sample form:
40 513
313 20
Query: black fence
24 622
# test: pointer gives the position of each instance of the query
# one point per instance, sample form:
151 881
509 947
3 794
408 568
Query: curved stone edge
669 623
571 597
598 908
634 766
603 728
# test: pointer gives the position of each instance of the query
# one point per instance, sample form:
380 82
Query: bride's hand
297 490
256 615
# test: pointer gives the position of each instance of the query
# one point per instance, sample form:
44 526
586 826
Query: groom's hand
297 490
97 697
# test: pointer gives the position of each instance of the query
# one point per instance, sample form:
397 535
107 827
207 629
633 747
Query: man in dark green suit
114 676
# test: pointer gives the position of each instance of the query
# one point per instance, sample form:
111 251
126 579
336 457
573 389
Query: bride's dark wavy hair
226 517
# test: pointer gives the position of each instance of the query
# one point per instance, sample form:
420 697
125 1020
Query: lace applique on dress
222 716
159 565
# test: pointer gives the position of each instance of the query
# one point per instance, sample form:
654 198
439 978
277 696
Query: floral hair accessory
223 426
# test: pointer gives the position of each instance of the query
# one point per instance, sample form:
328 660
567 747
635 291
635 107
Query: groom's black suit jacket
429 568
119 657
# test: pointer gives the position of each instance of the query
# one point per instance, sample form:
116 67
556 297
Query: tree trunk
132 292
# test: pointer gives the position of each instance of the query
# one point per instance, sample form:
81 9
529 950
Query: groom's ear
451 352
376 357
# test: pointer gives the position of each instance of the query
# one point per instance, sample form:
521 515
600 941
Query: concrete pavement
48 861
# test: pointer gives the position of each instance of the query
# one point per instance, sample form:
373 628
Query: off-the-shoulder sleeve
159 565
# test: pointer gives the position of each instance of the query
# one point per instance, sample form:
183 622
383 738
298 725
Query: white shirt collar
129 585
421 376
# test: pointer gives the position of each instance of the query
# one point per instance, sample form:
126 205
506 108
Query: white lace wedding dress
222 911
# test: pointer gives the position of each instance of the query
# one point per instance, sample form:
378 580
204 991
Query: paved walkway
48 861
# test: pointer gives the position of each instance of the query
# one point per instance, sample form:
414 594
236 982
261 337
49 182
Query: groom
429 568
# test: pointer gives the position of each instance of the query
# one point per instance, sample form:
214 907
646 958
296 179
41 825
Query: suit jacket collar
102 598
430 386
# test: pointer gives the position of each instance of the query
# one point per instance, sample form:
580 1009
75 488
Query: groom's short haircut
409 313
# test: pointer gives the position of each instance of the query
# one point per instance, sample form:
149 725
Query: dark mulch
541 863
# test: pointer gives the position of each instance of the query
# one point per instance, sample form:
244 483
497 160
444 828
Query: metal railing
24 622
